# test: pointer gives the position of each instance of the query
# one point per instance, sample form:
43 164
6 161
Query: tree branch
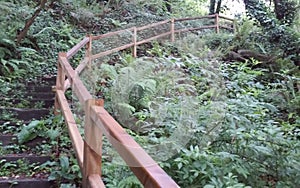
29 22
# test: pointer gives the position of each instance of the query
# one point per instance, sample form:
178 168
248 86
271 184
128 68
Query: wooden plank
101 54
134 52
81 65
194 18
92 133
152 25
77 47
194 29
143 166
75 136
95 181
67 68
153 38
226 18
89 50
112 33
78 70
78 87
217 23
80 91
172 30
226 27
60 78
91 164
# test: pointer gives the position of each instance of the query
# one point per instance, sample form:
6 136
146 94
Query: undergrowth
208 123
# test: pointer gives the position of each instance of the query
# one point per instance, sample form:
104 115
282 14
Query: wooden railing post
172 30
60 81
89 50
234 26
92 152
217 23
134 53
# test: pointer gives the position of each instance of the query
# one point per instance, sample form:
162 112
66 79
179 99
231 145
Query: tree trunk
212 6
278 9
29 22
218 6
168 5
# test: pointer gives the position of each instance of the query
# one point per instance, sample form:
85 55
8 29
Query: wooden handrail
112 33
142 165
99 122
77 47
101 54
152 25
75 136
226 18
195 29
195 18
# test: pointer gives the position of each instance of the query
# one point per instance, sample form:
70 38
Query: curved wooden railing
98 121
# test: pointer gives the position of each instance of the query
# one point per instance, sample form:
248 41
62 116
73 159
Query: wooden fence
99 122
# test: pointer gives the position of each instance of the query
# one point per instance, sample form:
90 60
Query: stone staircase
20 163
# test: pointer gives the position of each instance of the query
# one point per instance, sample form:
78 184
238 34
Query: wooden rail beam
226 18
67 68
101 54
194 18
226 27
152 25
95 181
112 33
153 38
78 71
74 134
92 157
195 29
77 85
77 47
143 166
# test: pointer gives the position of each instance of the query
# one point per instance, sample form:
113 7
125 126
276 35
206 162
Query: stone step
29 102
35 88
38 99
30 158
12 139
25 114
26 183
33 95
49 81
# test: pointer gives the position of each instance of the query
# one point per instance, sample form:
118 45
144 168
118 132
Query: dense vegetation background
216 110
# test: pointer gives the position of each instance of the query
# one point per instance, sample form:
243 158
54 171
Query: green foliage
39 128
179 8
145 83
118 175
202 168
278 34
65 171
31 56
252 145
21 167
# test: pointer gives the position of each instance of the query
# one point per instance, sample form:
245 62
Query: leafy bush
276 31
